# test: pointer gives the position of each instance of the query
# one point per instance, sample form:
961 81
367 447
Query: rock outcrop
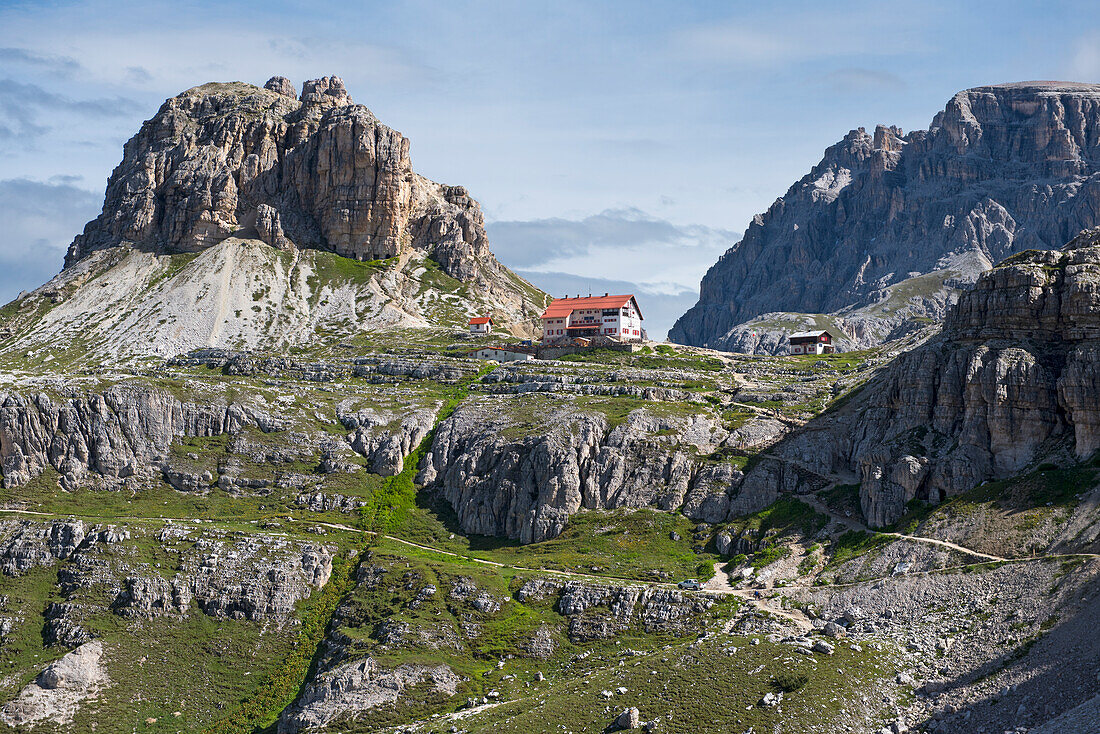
59 689
1013 375
602 611
123 431
318 171
386 438
353 689
255 577
888 224
524 483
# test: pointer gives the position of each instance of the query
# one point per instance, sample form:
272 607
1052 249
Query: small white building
811 342
502 354
481 325
617 317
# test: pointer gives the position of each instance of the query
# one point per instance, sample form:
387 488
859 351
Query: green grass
665 360
853 544
197 665
449 630
331 267
281 686
768 555
700 689
785 515
618 408
622 543
1058 488
842 361
394 498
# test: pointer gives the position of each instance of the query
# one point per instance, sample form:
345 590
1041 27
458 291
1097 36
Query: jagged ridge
1013 378
1001 169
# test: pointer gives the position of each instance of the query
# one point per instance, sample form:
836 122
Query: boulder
724 541
59 690
629 719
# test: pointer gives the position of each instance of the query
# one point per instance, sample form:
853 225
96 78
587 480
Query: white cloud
154 56
819 32
855 79
623 244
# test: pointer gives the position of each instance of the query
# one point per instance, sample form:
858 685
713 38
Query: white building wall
502 355
626 324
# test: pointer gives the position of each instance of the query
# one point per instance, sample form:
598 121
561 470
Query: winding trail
852 524
814 501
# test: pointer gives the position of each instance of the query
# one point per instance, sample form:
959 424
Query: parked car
690 585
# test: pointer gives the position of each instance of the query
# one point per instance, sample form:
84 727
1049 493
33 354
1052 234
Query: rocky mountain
1011 379
885 230
243 216
329 517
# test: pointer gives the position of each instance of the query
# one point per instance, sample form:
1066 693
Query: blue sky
612 145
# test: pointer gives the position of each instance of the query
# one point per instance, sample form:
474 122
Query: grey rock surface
353 689
59 690
1001 169
1013 371
113 434
526 485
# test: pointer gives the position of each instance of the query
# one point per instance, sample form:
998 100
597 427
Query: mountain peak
270 186
885 228
317 172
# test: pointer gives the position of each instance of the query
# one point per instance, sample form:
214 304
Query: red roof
481 320
562 307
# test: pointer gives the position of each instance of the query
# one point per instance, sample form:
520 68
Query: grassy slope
219 654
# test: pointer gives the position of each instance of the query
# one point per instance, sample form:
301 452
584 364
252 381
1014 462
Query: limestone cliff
887 225
1012 378
507 476
316 171
246 217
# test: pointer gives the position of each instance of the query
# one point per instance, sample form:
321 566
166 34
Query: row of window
608 330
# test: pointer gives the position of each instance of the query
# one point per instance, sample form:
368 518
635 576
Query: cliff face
316 171
514 481
1013 377
1001 169
226 224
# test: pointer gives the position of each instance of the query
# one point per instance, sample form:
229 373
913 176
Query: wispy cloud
22 105
40 220
854 79
1084 64
648 255
59 65
808 33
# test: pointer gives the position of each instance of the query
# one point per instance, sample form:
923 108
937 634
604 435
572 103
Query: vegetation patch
855 543
279 689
